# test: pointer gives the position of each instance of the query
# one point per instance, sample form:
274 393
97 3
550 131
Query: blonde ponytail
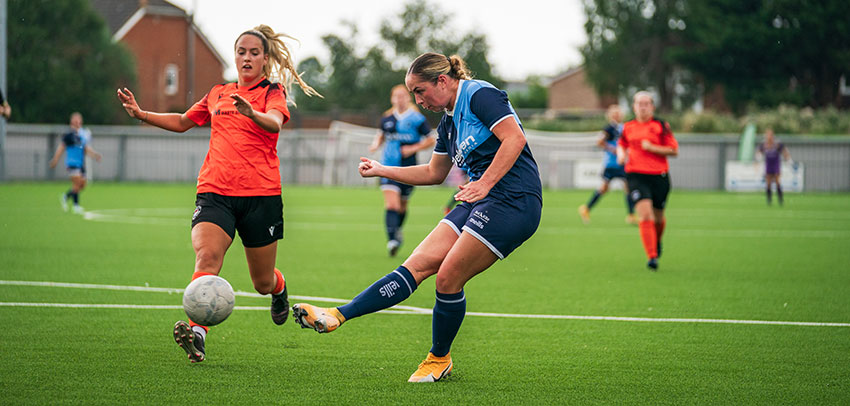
459 69
280 67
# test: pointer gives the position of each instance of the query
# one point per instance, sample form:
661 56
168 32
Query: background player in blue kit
500 206
608 142
404 132
76 144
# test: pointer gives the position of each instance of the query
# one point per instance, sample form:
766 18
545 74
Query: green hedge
783 120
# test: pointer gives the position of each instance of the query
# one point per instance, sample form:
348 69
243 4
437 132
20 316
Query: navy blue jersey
612 135
465 134
402 129
75 148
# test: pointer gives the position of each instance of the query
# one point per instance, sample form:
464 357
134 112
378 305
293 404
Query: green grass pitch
726 257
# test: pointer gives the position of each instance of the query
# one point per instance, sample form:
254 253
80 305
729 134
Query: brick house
570 92
176 64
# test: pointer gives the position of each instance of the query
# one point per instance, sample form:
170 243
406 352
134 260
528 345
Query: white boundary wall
330 157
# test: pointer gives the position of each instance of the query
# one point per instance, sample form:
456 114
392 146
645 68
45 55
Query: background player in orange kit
239 183
644 146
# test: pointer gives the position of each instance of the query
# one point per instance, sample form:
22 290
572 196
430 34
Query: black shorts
259 219
611 173
655 187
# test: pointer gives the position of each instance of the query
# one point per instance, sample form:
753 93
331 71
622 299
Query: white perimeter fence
330 157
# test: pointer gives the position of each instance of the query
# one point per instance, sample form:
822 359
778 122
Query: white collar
399 116
457 96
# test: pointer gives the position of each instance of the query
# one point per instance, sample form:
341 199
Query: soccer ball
208 300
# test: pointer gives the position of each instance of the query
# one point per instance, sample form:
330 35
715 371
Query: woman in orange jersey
239 183
644 146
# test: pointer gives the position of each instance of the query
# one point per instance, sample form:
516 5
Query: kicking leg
386 292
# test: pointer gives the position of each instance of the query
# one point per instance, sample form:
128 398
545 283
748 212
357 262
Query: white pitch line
399 309
137 307
660 320
149 216
149 289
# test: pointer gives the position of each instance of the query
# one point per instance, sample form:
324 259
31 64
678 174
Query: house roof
118 12
122 15
568 73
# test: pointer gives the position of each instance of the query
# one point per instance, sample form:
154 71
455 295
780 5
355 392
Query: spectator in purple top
773 153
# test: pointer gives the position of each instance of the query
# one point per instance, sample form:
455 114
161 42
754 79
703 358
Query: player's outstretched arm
432 173
665 150
425 143
786 155
168 121
92 153
59 151
376 143
270 121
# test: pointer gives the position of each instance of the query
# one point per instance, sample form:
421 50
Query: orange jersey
242 159
640 160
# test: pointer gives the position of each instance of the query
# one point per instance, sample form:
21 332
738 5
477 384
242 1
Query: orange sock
197 275
280 283
659 228
649 238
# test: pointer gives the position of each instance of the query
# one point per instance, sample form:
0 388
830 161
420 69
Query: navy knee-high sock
769 194
779 193
386 292
401 216
392 221
76 197
630 204
593 199
449 310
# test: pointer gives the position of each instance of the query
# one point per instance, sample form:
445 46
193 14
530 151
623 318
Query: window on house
171 79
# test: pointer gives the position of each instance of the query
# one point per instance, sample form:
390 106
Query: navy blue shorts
403 189
501 224
611 173
77 171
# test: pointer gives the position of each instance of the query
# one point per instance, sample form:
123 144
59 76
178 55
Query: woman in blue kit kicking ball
500 205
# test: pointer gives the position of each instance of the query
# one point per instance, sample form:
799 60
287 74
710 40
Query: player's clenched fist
368 167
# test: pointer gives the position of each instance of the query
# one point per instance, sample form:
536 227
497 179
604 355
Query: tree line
751 53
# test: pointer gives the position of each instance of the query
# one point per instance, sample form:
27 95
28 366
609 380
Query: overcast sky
527 37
